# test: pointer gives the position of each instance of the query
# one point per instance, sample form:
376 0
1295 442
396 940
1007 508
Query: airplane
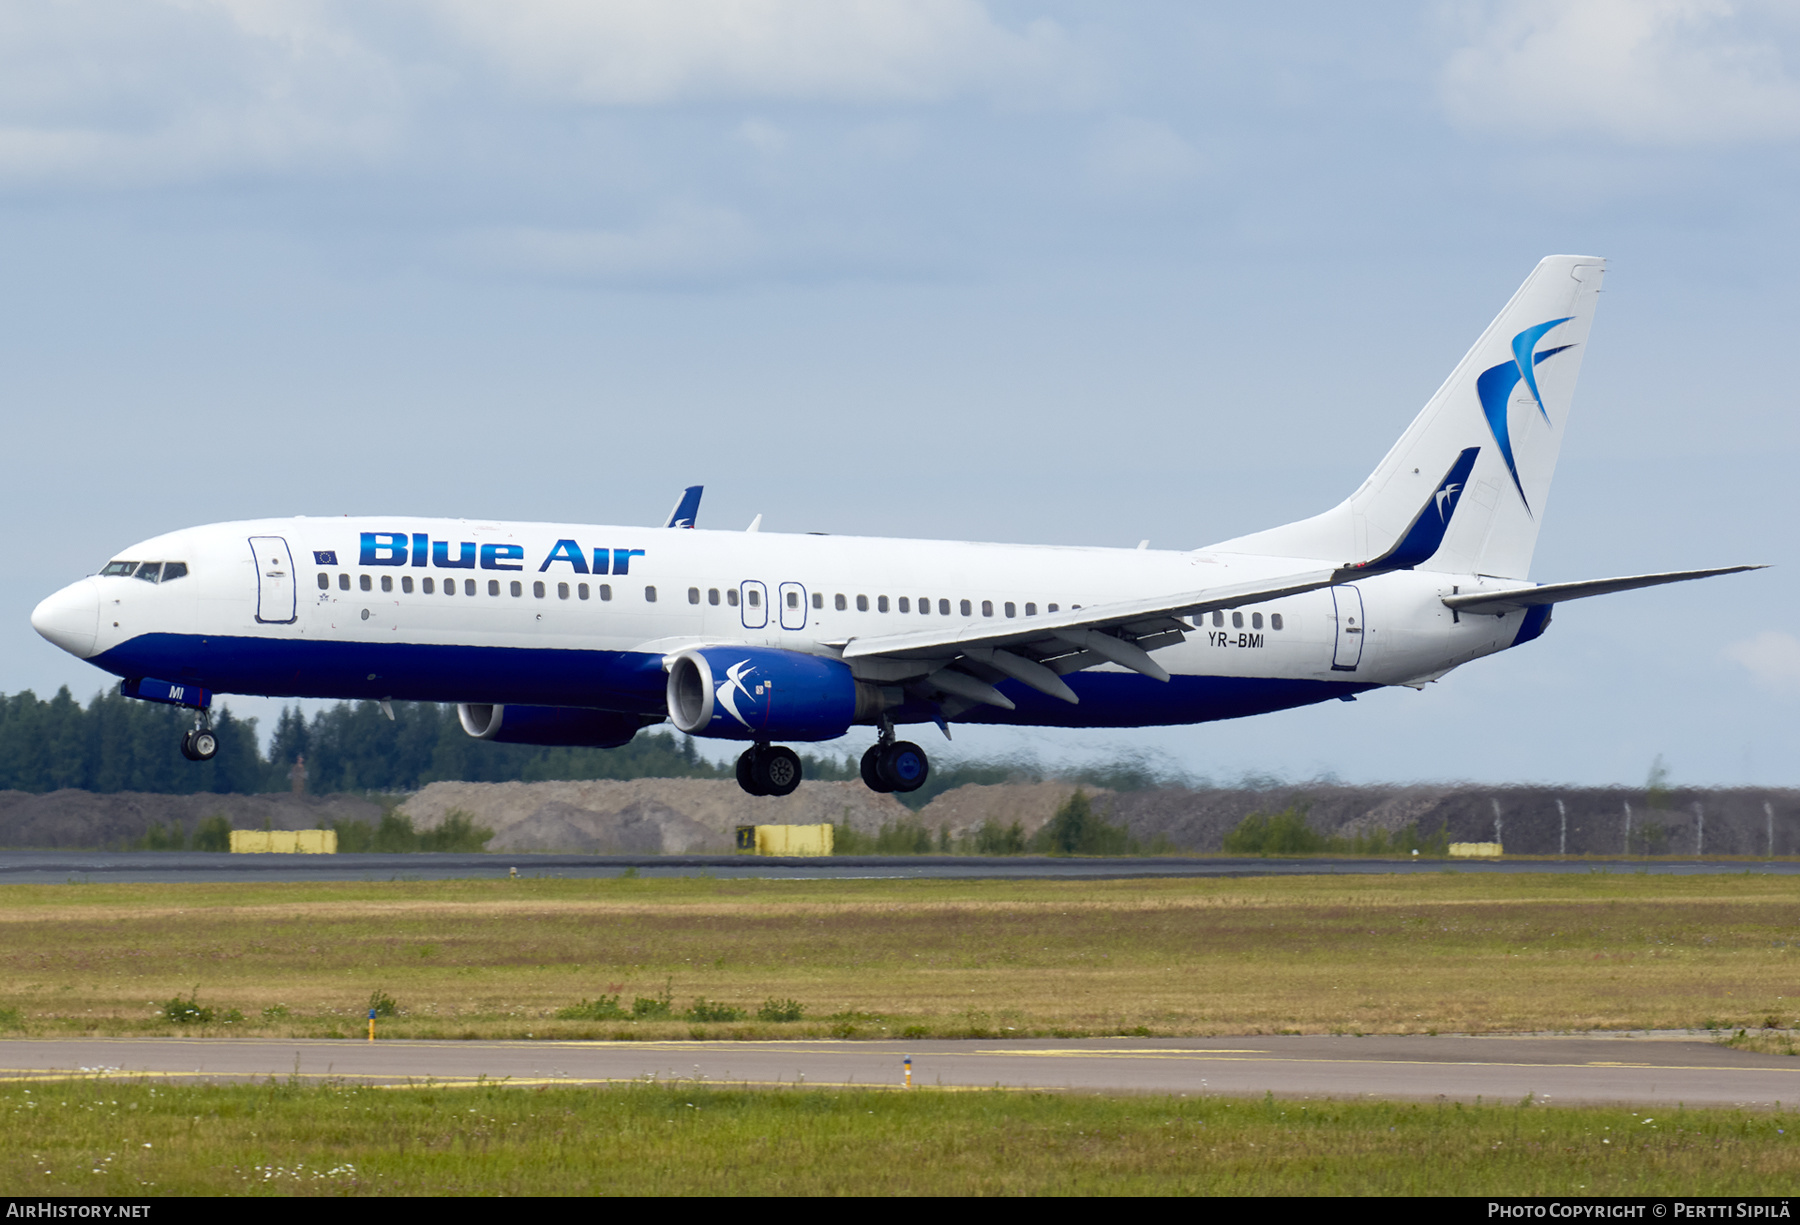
564 634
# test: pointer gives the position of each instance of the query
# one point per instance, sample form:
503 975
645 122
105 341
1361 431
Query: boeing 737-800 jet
579 635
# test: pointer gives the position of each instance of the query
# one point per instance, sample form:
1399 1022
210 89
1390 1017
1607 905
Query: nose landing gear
200 744
769 769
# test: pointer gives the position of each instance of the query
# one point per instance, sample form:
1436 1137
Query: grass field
107 1138
1375 954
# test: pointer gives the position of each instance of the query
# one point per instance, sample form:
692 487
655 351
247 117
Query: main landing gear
769 769
894 765
200 744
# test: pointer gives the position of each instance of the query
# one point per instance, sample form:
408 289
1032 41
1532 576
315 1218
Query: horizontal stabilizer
1556 593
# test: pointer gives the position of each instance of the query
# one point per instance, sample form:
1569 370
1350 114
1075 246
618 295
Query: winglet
687 509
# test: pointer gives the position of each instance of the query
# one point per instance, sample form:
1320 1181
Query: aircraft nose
70 618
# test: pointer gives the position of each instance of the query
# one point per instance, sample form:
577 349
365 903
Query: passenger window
839 602
987 608
862 603
1255 620
1218 618
964 605
493 586
818 599
925 606
905 604
731 596
693 595
649 595
406 584
712 596
881 603
427 586
1237 620
944 608
537 589
324 582
1011 610
343 582
755 598
150 571
517 588
173 570
793 599
1031 610
387 582
362 580
562 591
469 586
1274 621
581 591
1050 608
606 591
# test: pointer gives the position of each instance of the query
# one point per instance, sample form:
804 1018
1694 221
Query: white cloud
1140 157
683 242
647 52
129 91
1658 72
1772 659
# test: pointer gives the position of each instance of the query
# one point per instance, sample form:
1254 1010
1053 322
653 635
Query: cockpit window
173 570
118 569
148 571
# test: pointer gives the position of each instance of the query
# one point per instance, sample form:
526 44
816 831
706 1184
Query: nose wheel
899 765
769 769
200 745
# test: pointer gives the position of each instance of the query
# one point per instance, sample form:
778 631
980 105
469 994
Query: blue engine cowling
548 725
759 693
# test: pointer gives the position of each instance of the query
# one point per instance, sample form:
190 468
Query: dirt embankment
674 816
84 820
644 815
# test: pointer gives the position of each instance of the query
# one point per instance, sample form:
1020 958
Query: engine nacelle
759 693
548 725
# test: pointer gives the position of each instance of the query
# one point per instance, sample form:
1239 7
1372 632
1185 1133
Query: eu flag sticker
324 557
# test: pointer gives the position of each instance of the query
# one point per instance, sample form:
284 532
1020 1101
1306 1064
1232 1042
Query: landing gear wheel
746 772
777 770
903 766
871 770
200 745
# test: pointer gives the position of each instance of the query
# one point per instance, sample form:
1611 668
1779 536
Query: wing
958 667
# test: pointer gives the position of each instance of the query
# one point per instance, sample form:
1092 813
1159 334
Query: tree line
117 743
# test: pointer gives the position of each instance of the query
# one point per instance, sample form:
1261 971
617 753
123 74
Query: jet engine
763 694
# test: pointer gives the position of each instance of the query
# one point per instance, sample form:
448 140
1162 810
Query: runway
1643 1070
174 867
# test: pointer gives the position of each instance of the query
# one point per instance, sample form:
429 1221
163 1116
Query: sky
1038 272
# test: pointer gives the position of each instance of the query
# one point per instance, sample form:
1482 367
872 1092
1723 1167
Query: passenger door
275 589
1348 648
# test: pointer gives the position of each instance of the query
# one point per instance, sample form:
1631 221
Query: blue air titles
398 549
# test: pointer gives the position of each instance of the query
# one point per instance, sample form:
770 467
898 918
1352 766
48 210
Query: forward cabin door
275 590
1347 652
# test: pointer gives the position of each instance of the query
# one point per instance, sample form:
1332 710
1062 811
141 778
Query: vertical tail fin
1510 397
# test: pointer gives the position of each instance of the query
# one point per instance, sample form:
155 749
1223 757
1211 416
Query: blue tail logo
1496 384
1425 533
